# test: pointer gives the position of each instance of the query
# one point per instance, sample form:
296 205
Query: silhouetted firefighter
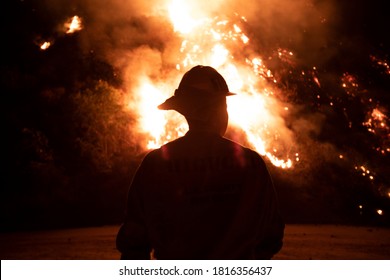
201 196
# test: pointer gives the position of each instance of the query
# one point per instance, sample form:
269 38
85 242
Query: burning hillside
312 96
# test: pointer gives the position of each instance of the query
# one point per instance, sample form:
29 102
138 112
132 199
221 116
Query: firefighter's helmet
199 87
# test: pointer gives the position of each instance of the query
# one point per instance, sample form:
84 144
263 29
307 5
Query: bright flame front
254 112
73 25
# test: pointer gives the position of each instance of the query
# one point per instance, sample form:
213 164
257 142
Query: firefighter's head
201 98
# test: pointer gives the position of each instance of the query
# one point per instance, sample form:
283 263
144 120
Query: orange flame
45 45
73 25
153 121
254 110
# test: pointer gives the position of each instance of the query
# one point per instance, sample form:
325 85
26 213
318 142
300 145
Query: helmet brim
175 102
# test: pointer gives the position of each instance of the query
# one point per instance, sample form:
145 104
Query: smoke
310 118
304 26
139 41
114 26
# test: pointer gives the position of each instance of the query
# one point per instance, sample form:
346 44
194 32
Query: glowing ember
382 64
378 123
380 212
377 120
365 172
73 25
45 45
349 83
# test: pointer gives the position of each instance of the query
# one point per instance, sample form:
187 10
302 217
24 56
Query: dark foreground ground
302 242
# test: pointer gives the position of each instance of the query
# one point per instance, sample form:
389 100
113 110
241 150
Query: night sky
71 150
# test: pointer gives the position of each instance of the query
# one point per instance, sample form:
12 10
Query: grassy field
302 242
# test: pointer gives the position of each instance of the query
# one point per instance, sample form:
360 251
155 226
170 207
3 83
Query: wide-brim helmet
200 87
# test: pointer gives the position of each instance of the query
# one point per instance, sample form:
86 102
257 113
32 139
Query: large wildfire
260 113
255 111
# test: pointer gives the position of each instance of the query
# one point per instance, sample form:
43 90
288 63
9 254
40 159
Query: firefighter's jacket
202 197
